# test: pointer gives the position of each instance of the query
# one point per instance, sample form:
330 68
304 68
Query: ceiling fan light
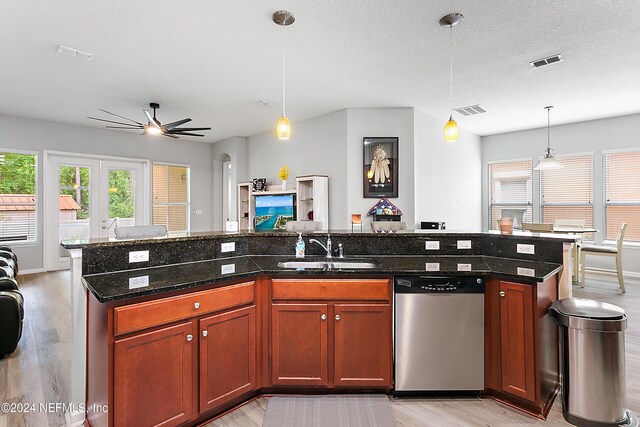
283 128
451 131
152 130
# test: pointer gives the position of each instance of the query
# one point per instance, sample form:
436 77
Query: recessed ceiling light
70 51
546 61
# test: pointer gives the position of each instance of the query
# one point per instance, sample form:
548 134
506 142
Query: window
567 193
622 194
171 197
17 197
510 192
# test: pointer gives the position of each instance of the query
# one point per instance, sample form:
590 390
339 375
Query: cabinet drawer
339 289
144 315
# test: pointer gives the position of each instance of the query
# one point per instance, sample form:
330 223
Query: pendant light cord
284 71
548 129
451 70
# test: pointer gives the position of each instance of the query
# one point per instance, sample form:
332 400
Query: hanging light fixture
451 129
548 161
283 126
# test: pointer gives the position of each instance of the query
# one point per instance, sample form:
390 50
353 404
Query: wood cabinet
340 338
521 344
153 377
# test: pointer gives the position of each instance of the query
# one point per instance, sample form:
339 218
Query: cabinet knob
337 317
189 337
205 333
196 305
323 317
502 293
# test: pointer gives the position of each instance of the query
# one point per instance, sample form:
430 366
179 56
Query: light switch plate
228 269
464 244
138 282
526 249
432 245
138 256
228 247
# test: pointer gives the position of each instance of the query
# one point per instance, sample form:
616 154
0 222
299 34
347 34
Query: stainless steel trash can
592 362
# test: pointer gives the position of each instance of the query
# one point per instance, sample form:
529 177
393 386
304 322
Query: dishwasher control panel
433 284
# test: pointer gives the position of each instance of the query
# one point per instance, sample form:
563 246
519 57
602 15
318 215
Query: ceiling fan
153 126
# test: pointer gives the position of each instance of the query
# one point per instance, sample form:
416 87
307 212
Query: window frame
490 194
187 204
36 239
632 243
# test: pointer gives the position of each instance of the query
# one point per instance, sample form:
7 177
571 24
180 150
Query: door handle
189 337
337 317
503 293
323 317
205 333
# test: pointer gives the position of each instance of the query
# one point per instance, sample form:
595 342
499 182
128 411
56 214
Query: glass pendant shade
283 128
548 163
451 131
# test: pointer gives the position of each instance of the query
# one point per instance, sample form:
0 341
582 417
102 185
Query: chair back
534 226
578 223
620 236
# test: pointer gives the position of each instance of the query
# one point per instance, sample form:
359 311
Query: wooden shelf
273 192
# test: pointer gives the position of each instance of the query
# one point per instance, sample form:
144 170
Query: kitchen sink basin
329 264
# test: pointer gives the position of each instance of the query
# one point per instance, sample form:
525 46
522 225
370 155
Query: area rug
371 410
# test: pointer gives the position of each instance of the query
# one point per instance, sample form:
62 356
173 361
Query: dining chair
606 251
535 226
574 223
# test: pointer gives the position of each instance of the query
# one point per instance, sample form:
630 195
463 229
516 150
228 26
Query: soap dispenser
300 247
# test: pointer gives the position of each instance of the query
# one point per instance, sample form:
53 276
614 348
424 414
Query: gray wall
591 136
448 179
37 135
236 149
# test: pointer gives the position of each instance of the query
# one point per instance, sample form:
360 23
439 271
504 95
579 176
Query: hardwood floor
39 371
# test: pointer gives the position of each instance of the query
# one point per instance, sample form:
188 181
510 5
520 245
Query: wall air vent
470 110
546 61
70 51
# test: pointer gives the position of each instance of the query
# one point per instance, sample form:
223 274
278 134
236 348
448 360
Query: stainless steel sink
339 264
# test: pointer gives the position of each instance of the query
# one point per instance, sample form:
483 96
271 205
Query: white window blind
622 194
18 204
510 192
171 197
567 193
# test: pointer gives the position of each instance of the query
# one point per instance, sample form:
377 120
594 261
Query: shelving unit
312 195
245 206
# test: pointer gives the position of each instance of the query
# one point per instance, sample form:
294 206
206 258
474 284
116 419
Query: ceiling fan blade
169 135
111 121
172 125
152 121
184 133
124 127
188 129
122 117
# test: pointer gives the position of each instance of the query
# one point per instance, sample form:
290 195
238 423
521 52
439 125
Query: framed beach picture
380 168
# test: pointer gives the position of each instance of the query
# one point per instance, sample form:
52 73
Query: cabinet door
362 345
299 344
227 356
153 374
517 339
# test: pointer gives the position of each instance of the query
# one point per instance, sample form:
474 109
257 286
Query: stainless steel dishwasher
439 334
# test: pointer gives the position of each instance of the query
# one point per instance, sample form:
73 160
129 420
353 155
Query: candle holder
356 220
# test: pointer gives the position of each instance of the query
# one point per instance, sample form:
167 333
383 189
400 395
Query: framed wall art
380 169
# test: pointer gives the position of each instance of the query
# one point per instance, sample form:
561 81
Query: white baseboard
31 271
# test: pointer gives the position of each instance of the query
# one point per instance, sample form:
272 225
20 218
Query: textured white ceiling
214 60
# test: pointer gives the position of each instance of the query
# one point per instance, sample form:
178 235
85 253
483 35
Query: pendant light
451 129
283 125
548 161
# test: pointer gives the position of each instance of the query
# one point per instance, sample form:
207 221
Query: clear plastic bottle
300 247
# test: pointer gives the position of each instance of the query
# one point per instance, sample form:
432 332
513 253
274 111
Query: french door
88 198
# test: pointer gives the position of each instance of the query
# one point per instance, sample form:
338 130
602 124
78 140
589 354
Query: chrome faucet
326 248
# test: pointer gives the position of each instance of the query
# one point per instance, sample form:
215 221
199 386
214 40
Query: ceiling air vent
70 51
470 110
546 61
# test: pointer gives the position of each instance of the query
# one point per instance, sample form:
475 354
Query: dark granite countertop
123 285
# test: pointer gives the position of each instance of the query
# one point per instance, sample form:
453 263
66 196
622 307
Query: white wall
316 146
448 177
236 148
383 122
591 136
38 135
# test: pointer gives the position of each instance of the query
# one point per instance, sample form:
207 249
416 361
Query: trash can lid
589 314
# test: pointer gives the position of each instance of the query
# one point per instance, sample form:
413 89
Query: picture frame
380 167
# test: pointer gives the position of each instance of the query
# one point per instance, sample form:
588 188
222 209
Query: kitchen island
194 330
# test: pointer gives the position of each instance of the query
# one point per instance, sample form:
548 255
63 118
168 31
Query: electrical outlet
464 244
228 269
138 256
464 267
432 266
138 282
228 247
529 272
526 249
432 245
